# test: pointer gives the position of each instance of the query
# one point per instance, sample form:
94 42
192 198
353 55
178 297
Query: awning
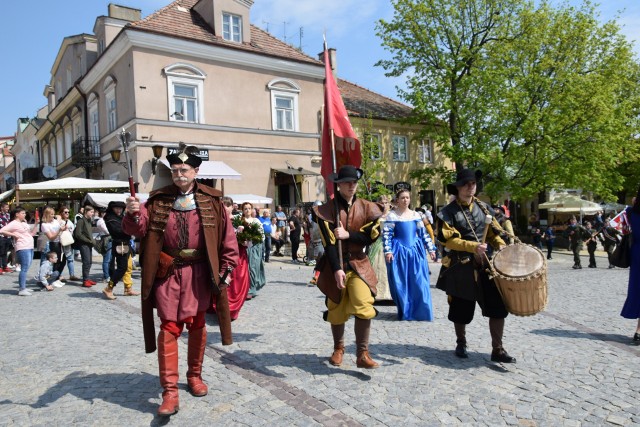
213 170
67 189
251 198
7 194
296 171
101 200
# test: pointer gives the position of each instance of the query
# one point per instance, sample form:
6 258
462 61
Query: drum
520 273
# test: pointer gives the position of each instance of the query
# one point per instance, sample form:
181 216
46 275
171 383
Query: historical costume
187 249
609 238
121 251
631 308
592 243
576 234
351 286
463 275
376 257
407 242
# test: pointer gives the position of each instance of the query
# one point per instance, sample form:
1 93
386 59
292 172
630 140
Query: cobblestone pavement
70 357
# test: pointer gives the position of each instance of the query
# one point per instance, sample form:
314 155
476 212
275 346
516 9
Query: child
46 272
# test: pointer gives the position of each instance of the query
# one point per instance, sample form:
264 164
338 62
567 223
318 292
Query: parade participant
121 250
507 234
406 242
592 243
463 275
631 308
609 238
254 249
576 234
350 287
376 257
188 247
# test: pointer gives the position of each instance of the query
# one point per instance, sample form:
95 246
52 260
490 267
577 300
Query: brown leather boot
336 357
108 291
362 329
168 366
499 354
197 345
365 361
338 344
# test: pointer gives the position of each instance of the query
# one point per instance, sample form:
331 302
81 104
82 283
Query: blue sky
33 31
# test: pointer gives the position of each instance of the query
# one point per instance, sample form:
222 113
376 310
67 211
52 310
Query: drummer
462 276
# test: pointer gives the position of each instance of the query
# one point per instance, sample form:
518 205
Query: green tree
537 97
373 163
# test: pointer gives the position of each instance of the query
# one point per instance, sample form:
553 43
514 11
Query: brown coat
221 245
361 219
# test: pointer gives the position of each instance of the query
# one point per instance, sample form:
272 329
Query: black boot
461 340
499 354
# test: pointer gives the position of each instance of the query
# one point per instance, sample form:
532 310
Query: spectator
295 229
104 234
45 274
68 250
265 219
52 229
22 234
83 236
550 237
6 243
276 237
281 217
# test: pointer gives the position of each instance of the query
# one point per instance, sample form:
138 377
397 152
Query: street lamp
157 153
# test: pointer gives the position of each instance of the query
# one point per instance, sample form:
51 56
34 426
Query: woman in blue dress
406 243
631 308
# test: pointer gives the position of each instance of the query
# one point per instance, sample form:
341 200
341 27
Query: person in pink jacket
22 233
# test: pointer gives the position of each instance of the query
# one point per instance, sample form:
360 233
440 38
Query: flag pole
333 149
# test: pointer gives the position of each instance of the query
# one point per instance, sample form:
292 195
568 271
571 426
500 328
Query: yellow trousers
356 300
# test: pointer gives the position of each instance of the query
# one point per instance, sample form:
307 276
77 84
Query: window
399 148
232 27
373 145
94 118
185 86
425 151
185 103
284 104
111 105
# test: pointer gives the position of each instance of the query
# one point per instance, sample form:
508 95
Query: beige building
197 71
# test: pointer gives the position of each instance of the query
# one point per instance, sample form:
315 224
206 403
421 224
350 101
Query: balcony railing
85 153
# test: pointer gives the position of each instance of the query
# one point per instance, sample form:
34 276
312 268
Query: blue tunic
408 273
631 308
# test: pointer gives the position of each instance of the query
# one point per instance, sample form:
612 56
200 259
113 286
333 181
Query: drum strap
486 258
495 221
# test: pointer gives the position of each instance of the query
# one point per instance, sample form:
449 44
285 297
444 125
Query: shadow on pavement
572 333
114 388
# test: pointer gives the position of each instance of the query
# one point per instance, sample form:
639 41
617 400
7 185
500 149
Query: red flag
347 146
621 223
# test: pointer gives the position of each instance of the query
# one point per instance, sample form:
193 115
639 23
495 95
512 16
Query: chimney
333 61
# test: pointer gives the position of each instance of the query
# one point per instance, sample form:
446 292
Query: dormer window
232 27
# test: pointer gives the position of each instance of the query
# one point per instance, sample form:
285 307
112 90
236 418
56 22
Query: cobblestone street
70 357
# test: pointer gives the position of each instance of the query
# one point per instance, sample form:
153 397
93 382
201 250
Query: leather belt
186 256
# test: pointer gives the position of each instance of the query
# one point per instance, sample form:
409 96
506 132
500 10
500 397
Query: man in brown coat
347 278
188 248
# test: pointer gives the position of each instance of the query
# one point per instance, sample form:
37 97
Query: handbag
66 239
621 256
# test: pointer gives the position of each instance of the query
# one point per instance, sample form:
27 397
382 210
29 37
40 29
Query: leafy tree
537 97
370 188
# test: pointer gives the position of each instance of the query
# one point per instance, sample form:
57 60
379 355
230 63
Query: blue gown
408 273
631 308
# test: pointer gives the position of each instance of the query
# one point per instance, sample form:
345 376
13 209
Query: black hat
347 173
116 204
186 154
467 175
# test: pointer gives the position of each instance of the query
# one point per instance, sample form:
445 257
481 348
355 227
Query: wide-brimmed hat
347 173
467 175
116 204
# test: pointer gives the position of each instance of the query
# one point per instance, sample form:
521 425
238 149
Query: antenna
301 35
266 22
284 23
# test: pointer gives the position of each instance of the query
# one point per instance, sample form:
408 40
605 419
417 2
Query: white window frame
186 75
400 148
425 151
230 31
284 88
94 117
62 148
111 104
378 139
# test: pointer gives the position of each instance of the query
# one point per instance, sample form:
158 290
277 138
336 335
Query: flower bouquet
247 232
